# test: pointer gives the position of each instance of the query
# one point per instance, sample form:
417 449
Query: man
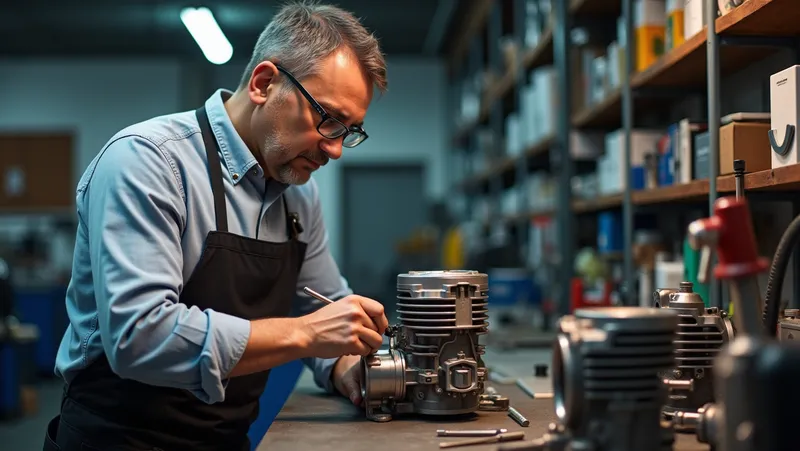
196 232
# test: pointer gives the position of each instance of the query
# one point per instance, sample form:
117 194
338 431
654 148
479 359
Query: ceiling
153 27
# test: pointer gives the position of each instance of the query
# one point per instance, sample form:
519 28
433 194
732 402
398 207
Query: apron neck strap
214 169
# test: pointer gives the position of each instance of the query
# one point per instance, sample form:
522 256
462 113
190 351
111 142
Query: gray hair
303 33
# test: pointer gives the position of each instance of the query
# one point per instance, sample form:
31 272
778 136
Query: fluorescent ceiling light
206 32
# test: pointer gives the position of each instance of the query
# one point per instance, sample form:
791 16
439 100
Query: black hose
777 273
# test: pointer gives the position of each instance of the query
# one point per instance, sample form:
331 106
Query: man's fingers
371 338
352 386
372 308
353 391
382 323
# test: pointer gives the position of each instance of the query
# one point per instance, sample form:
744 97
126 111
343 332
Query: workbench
312 420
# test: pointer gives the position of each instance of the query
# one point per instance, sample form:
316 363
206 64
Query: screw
420 395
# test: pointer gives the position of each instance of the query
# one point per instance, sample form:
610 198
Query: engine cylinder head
701 334
434 363
606 383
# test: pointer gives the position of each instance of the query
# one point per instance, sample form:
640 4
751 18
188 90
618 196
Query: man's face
286 127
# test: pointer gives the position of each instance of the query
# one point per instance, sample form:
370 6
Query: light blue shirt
144 209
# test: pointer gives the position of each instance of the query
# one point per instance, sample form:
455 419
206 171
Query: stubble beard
274 151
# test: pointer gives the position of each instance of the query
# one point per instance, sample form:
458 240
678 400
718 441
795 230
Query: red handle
737 250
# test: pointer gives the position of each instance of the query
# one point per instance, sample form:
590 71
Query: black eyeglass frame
324 114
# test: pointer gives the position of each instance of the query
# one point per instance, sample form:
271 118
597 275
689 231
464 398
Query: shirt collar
237 156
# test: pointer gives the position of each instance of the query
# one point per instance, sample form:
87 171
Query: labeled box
785 111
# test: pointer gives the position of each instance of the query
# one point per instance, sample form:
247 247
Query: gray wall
95 98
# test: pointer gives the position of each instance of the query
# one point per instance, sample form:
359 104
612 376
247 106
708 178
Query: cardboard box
28 400
746 141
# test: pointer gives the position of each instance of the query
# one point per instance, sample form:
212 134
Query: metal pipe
507 437
627 124
712 58
563 161
748 303
438 27
520 29
518 417
470 432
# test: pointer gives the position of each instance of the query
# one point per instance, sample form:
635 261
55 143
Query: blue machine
46 308
9 380
282 381
509 287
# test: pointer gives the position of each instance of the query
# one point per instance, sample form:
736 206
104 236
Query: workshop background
474 158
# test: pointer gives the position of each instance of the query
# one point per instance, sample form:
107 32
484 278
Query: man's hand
352 326
346 377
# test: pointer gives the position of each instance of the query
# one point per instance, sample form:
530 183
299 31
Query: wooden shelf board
786 178
605 7
541 147
477 19
684 65
686 192
762 18
606 113
506 163
540 55
597 204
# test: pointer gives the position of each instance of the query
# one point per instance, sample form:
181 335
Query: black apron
237 275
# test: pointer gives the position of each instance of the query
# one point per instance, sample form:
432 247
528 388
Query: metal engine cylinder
433 365
607 389
701 334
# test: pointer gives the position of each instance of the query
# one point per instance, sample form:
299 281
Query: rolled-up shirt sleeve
134 211
321 273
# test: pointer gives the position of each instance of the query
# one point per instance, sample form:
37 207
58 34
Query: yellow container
674 32
649 45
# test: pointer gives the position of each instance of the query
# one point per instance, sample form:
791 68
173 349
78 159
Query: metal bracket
783 148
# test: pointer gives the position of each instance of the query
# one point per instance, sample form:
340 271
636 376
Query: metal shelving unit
732 42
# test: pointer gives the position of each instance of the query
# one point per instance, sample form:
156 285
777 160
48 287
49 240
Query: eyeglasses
329 126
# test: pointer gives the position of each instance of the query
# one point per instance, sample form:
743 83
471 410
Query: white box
642 142
784 107
612 53
546 101
585 145
512 141
694 17
598 79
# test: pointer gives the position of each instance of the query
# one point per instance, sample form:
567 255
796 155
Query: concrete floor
27 434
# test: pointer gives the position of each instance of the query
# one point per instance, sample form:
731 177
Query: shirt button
236 176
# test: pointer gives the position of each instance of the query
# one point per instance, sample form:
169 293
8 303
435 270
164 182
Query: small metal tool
316 295
506 437
516 416
493 403
738 172
388 332
470 432
529 391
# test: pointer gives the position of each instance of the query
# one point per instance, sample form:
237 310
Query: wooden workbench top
311 420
